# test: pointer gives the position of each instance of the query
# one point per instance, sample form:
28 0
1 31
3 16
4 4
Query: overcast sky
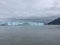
25 8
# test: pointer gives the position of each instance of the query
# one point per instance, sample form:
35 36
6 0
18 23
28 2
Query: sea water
30 35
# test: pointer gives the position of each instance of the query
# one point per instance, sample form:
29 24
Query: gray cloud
11 8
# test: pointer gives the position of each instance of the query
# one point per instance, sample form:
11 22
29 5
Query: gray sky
25 8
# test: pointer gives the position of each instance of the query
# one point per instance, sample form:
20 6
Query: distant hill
55 22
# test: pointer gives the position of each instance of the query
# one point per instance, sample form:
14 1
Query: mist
27 8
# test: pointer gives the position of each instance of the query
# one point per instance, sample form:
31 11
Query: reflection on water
29 35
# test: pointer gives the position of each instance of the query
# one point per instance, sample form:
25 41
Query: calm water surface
30 35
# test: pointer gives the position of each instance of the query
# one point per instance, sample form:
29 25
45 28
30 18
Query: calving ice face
19 23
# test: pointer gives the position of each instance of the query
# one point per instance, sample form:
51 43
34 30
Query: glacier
20 23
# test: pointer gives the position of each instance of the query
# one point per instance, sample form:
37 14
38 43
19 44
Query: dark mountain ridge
55 22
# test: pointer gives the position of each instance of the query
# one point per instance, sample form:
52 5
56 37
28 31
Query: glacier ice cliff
19 23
